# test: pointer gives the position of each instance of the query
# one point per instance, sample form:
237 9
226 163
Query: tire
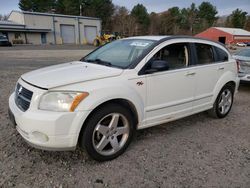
108 132
223 102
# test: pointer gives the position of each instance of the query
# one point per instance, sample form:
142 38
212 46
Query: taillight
238 65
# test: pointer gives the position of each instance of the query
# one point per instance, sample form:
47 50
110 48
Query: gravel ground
197 151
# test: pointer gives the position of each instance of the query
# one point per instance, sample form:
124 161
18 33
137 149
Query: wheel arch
120 101
227 79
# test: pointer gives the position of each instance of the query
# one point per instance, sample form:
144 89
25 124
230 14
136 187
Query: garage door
68 34
90 33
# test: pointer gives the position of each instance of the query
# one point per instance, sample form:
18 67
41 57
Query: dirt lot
197 151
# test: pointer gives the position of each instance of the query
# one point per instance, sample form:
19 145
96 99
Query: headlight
61 101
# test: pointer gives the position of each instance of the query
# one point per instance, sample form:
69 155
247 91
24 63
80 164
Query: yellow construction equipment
105 38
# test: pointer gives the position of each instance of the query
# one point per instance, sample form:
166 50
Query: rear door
208 72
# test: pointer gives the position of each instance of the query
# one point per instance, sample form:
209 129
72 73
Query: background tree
237 19
165 23
228 22
69 7
123 22
221 21
130 23
37 5
139 12
155 24
170 21
175 14
26 5
3 17
207 15
247 24
103 9
118 20
189 19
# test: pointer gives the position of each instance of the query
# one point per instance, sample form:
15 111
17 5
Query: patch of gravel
197 151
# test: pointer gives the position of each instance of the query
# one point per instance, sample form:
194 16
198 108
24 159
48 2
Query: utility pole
80 9
83 4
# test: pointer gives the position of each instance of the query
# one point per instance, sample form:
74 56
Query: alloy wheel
225 101
110 134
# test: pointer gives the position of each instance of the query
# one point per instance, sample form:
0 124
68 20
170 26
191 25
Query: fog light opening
40 137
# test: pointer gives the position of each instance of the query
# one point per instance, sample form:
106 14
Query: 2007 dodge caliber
129 84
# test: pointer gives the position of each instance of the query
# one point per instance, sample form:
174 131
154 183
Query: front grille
23 97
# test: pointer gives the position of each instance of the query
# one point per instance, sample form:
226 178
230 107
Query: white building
44 28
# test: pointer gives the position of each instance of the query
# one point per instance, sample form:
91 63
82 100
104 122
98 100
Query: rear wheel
108 132
223 103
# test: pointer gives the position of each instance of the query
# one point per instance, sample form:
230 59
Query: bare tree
119 19
3 17
123 22
155 24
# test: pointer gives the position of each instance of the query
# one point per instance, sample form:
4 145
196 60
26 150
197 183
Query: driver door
170 93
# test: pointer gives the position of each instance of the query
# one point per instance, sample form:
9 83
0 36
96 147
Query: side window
204 53
176 55
222 56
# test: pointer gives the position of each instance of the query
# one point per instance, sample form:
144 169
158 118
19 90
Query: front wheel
108 132
223 103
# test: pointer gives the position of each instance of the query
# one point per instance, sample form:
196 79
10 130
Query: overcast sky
224 7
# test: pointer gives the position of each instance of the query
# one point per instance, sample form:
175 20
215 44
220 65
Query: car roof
161 38
156 38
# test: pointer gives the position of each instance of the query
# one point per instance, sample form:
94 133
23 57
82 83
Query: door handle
221 68
191 74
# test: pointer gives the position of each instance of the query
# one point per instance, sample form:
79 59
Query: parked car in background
241 44
247 43
129 84
4 41
243 59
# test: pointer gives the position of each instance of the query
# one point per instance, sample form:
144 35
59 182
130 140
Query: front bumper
47 130
5 43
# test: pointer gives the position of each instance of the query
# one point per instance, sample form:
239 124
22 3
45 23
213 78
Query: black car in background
4 41
247 43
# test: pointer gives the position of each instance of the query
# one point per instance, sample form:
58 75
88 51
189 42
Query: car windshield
245 52
120 53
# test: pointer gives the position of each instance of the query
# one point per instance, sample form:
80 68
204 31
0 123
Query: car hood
69 73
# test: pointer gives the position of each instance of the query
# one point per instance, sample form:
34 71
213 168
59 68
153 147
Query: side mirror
158 65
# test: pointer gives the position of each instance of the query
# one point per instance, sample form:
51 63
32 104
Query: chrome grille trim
23 97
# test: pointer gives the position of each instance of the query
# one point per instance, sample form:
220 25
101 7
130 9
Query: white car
129 84
241 44
243 59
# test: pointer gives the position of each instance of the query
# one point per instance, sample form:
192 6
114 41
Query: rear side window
222 56
205 53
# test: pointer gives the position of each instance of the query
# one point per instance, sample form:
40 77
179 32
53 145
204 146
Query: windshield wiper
100 62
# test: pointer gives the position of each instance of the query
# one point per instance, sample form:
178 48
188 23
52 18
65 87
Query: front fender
101 95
